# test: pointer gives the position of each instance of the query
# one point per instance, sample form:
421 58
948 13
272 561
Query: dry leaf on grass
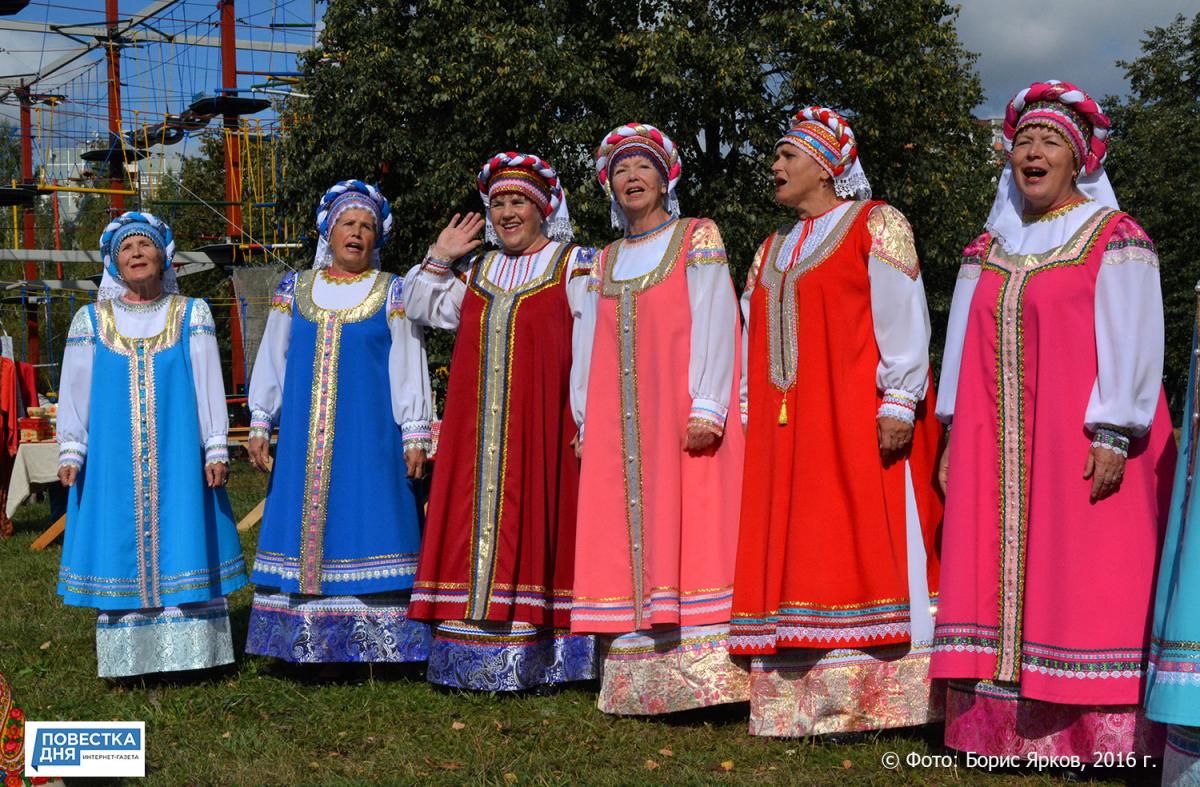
847 764
651 765
666 752
227 734
45 645
458 725
727 765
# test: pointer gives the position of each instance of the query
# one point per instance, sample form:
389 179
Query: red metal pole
114 97
30 239
233 186
233 157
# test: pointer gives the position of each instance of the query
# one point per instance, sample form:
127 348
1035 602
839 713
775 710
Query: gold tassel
783 413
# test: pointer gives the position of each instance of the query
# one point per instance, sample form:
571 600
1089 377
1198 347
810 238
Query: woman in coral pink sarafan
661 473
1058 469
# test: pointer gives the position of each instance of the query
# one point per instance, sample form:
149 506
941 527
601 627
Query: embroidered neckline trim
329 278
1057 213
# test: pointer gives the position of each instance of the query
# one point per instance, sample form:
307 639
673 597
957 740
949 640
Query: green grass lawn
260 724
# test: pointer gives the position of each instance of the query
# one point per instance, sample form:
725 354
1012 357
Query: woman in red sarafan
497 562
837 565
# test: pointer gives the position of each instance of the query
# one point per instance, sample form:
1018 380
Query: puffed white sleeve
210 387
956 328
751 281
581 298
408 373
433 294
714 334
1129 335
75 390
899 314
265 396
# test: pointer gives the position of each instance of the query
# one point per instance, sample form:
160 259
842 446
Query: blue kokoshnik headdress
143 224
342 196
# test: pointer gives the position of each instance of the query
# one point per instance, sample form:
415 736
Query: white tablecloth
35 463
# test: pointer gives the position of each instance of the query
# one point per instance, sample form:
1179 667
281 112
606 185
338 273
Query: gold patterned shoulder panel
756 264
612 287
372 302
892 240
1075 251
117 342
706 247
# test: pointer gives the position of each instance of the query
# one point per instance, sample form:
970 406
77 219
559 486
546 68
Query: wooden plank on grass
52 532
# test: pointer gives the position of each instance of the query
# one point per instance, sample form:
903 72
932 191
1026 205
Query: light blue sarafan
1173 684
340 518
144 530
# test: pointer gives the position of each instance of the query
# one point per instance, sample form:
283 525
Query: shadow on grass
544 690
340 673
191 677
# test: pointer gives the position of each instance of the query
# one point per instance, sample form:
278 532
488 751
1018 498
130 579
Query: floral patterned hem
993 719
163 639
668 670
486 656
816 692
331 629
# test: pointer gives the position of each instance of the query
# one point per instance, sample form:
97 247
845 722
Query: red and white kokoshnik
525 161
1053 90
625 133
840 128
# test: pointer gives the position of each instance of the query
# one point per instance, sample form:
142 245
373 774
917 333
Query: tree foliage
416 95
1154 168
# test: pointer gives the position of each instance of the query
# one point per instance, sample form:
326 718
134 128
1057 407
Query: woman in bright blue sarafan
1173 679
150 538
343 374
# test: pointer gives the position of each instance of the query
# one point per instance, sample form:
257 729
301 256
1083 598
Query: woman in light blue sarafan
1173 679
343 374
150 539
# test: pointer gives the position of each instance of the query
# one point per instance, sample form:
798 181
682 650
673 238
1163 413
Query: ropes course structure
116 113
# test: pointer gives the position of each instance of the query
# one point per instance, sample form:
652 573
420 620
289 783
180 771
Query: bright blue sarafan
341 518
143 528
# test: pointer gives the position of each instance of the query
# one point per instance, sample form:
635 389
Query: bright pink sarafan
1040 586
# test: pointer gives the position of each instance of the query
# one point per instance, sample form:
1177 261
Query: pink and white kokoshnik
655 144
1094 145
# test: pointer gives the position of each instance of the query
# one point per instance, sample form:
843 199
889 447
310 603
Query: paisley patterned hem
163 639
817 692
325 629
485 656
668 670
991 718
1181 761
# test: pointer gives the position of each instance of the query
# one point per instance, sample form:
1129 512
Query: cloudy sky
1022 41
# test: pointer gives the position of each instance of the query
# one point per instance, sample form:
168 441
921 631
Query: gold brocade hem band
818 692
686 668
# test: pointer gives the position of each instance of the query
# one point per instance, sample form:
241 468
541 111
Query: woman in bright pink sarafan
1058 467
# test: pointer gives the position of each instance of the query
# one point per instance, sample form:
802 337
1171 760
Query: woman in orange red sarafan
1060 460
498 556
837 566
